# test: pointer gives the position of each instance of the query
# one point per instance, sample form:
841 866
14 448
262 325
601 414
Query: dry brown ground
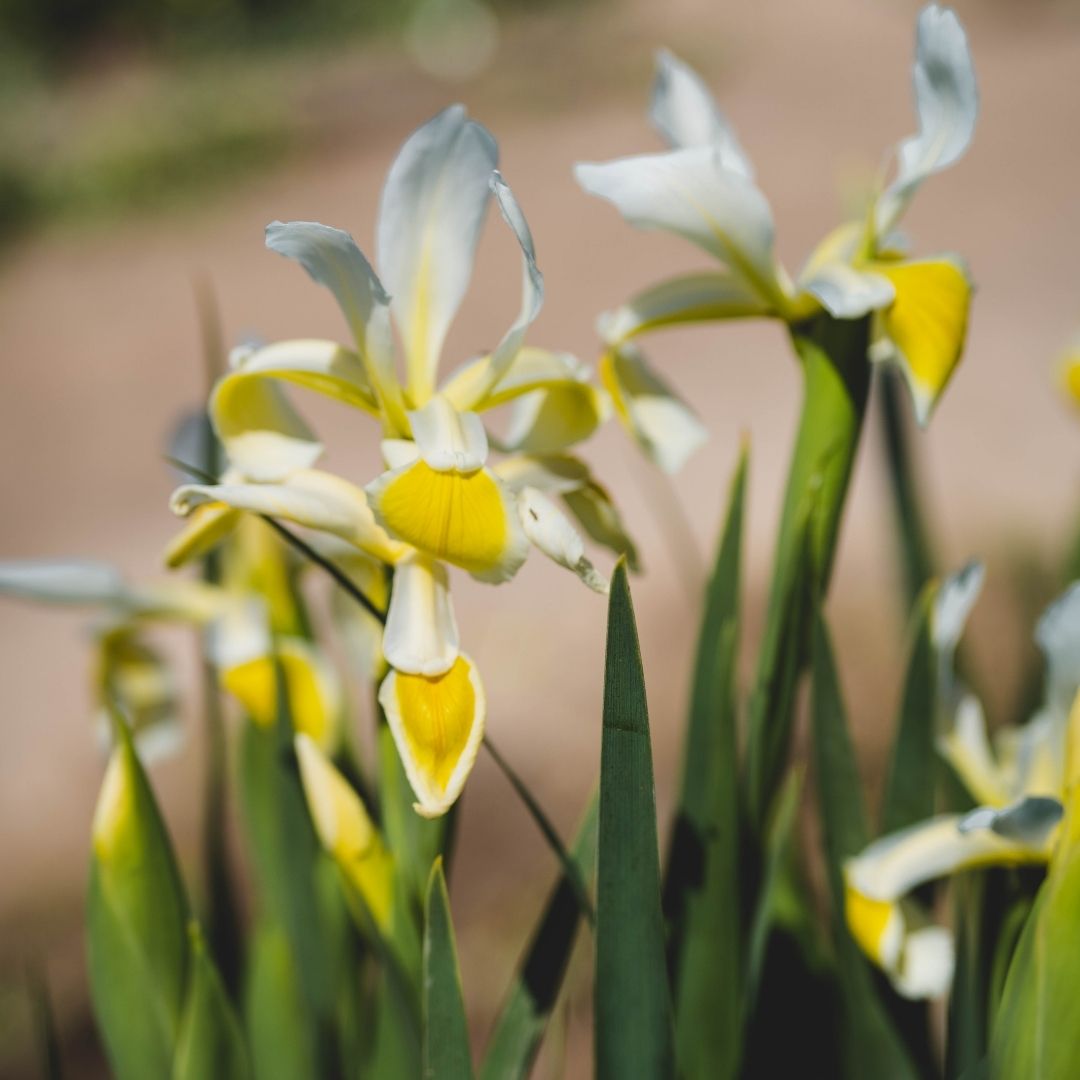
99 349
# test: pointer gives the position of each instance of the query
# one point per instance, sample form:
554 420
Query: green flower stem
836 377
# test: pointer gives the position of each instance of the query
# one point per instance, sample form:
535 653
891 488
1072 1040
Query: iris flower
703 190
1019 784
441 500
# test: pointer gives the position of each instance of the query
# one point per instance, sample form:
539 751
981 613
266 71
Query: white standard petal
549 530
421 636
684 113
448 440
947 104
430 217
332 258
690 193
954 602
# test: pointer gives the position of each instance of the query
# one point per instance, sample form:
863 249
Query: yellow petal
468 519
1070 376
437 724
205 529
311 684
876 925
926 324
346 831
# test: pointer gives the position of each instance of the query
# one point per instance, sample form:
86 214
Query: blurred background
144 145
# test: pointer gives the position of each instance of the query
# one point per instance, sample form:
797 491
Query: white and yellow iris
703 190
1020 782
440 501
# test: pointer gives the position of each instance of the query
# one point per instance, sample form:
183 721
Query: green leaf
50 1059
872 1047
910 792
633 1020
446 1033
701 890
279 1025
136 922
211 1042
524 1017
1037 1026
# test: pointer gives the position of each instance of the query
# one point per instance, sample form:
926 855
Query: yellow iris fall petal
466 519
927 324
437 724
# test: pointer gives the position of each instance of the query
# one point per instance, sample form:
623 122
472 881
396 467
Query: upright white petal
684 113
448 440
331 258
690 193
421 635
549 530
947 104
954 602
430 218
1058 636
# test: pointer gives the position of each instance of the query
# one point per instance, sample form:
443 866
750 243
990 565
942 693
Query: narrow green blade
211 1042
910 791
634 1035
520 1026
446 1034
701 889
872 1046
136 923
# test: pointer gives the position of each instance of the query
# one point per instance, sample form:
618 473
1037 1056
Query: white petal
240 635
553 474
947 103
421 636
662 425
685 114
63 581
430 218
847 293
926 964
549 530
331 258
449 441
551 420
1029 820
690 193
690 298
314 499
1058 636
967 749
954 602
398 453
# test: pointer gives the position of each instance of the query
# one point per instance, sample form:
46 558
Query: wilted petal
437 725
926 325
548 529
593 509
661 423
685 114
947 103
421 636
553 474
690 193
430 218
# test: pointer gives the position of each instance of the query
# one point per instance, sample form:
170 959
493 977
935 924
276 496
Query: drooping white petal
421 635
690 193
430 217
312 498
1058 636
689 298
685 114
332 258
661 423
847 293
549 530
947 104
448 440
63 581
